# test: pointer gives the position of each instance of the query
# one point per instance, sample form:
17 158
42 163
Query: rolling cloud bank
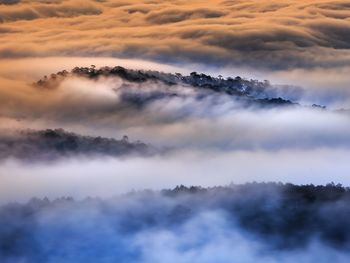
268 34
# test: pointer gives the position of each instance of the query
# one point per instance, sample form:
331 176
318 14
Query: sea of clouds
197 136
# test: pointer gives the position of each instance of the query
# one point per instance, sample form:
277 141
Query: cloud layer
214 135
170 110
219 130
247 223
267 34
214 130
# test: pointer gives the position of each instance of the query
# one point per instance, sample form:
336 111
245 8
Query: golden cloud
263 34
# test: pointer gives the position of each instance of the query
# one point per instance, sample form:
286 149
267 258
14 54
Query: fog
105 177
172 115
106 133
174 131
241 223
197 135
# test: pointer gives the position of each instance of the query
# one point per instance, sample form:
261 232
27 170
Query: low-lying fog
203 137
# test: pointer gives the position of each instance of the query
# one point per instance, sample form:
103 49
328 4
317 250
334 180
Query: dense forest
51 144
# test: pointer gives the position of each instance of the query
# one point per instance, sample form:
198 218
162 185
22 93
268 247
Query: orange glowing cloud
262 34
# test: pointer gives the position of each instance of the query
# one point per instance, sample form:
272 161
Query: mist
244 223
95 137
107 176
175 115
116 139
174 131
188 134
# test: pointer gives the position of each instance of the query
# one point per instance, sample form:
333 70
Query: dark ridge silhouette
247 91
52 144
287 215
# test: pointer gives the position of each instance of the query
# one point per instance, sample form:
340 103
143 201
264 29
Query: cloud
106 176
264 35
175 15
44 9
250 223
217 132
178 111
214 136
9 2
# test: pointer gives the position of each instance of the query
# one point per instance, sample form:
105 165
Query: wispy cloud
175 111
